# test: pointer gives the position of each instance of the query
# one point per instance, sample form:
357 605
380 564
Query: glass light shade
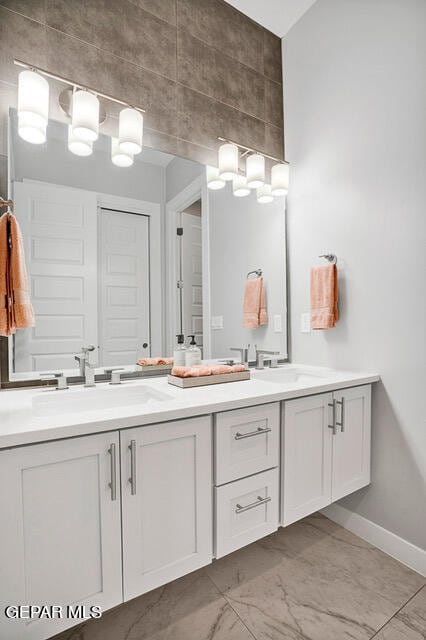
214 182
280 179
85 115
228 161
239 187
33 107
78 147
255 171
118 157
264 194
130 131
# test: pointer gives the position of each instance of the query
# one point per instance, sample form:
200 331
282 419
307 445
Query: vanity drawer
246 510
246 441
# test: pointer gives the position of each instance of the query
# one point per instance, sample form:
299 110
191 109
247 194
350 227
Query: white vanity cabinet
167 502
325 450
60 535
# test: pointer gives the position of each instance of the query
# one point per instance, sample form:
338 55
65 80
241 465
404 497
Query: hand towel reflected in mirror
254 304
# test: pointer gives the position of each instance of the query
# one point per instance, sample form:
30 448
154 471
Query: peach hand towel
16 311
150 362
254 304
191 372
324 296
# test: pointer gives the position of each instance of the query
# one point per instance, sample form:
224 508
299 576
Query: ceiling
276 15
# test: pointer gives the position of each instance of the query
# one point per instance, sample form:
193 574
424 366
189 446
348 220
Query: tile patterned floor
311 581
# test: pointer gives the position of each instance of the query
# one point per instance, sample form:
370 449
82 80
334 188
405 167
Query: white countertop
35 415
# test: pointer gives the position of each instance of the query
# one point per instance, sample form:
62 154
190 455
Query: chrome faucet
62 380
262 355
89 374
83 359
244 351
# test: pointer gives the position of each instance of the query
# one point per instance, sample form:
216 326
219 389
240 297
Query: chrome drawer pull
252 505
341 424
132 479
250 434
113 484
333 426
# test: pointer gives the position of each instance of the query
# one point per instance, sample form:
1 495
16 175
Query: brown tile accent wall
200 68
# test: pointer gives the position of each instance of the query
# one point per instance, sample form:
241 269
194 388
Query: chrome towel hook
331 257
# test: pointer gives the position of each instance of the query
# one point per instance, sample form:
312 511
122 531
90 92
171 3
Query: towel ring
331 257
258 272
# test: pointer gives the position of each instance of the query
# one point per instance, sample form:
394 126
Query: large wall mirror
125 258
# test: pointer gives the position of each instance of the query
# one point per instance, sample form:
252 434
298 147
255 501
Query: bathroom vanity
107 493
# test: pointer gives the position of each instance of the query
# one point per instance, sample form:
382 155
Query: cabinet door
352 442
61 530
167 502
306 456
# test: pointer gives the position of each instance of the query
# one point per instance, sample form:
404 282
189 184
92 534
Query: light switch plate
278 323
305 323
217 323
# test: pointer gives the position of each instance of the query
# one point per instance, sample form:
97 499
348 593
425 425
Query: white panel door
124 305
167 508
192 275
352 442
60 530
306 456
60 235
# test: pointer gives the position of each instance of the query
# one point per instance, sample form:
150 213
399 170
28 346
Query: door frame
196 190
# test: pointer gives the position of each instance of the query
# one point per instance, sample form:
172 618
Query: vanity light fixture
280 179
77 146
228 161
239 187
214 181
264 194
85 115
33 106
130 131
255 170
118 157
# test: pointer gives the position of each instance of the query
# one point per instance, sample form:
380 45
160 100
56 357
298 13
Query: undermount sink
282 375
95 398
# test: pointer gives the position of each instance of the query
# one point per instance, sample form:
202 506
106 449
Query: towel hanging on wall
16 311
254 304
324 296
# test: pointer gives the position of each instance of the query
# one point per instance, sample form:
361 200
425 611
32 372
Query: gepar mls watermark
51 612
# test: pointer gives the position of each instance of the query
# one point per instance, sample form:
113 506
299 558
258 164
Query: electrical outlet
278 323
305 323
217 323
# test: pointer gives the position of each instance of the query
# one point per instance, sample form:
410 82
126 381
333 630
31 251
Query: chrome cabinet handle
132 479
113 484
250 434
333 425
252 505
341 424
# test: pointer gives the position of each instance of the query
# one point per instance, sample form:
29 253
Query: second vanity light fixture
229 157
84 111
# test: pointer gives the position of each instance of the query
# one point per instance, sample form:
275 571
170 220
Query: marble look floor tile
314 580
409 623
190 608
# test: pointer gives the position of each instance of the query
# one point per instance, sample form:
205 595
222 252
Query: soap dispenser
193 353
180 351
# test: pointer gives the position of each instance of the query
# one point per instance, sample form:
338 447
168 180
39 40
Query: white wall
52 162
355 98
245 235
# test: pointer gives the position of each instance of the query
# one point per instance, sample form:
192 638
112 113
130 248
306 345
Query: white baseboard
400 549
